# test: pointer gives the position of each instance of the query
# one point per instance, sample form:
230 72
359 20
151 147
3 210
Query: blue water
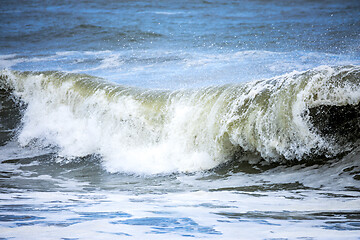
173 45
49 27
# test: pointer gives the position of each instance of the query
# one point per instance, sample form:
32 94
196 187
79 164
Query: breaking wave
287 118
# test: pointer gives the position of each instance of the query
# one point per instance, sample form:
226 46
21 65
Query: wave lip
152 131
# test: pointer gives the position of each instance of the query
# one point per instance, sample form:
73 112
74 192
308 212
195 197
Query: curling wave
290 117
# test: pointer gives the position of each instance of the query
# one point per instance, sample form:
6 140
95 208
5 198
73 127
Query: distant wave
286 118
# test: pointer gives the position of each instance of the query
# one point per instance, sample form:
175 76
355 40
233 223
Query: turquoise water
178 120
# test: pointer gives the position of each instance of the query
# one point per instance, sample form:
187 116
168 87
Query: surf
287 118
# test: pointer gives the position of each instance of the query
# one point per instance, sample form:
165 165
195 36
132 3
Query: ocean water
179 119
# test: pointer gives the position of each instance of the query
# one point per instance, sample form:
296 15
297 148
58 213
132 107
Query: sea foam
152 131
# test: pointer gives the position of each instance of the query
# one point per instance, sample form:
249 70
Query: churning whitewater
180 120
157 131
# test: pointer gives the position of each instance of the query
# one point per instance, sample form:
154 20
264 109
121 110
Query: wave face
155 131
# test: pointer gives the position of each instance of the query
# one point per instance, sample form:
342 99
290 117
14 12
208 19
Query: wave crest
153 131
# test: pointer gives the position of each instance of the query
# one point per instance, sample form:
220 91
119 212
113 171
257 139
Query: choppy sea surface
179 120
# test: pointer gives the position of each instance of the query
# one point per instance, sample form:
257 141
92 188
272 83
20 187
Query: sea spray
154 131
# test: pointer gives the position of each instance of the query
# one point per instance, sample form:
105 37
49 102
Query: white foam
8 61
153 132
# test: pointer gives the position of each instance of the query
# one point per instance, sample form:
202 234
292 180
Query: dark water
177 120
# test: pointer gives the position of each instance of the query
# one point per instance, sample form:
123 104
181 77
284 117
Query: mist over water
178 120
